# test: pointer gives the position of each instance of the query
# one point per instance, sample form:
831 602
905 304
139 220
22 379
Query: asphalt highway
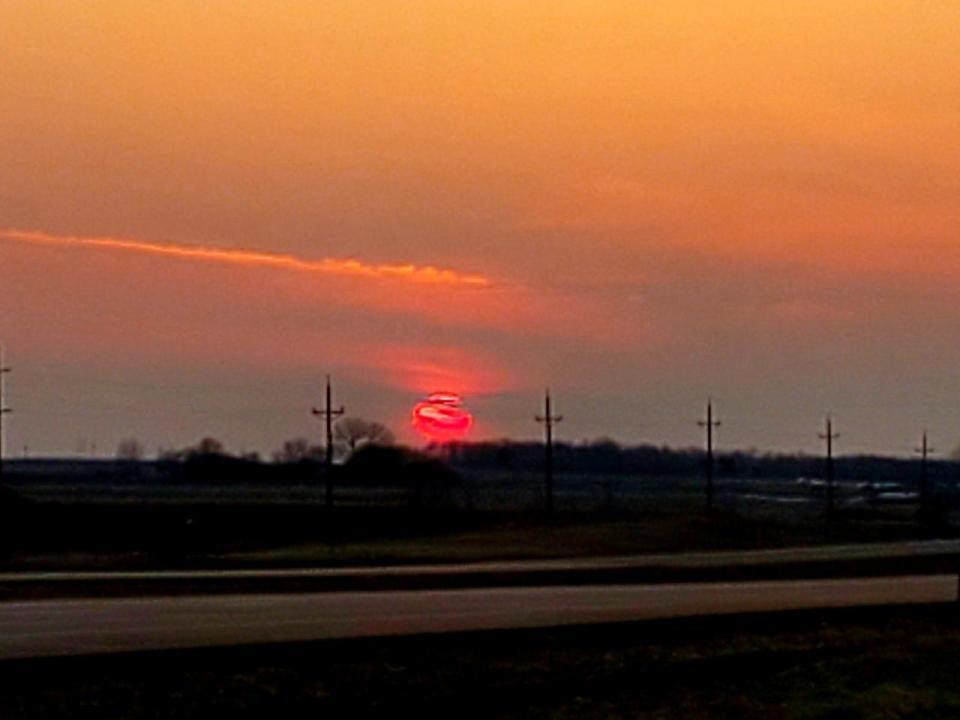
695 560
78 627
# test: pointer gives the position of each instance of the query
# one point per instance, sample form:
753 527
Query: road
77 627
693 560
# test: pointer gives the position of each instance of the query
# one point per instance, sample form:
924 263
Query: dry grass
872 665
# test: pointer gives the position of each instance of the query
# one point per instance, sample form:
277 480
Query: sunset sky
205 207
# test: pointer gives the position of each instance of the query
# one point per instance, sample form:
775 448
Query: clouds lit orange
351 267
679 197
448 297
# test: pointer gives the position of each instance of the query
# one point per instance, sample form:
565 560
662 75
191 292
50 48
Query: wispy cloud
426 274
403 294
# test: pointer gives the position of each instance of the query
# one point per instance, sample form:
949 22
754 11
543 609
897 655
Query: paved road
753 558
77 627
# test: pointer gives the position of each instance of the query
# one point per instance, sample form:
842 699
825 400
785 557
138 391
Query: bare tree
130 449
351 433
209 446
296 450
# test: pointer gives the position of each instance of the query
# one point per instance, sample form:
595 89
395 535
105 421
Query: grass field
268 537
249 541
671 525
888 664
499 516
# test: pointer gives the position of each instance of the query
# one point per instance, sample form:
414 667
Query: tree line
349 434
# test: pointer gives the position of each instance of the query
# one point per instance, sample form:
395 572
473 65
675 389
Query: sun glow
442 417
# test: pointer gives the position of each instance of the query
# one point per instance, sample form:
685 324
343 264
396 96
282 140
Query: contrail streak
427 274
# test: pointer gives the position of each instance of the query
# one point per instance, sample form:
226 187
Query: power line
710 424
549 420
328 413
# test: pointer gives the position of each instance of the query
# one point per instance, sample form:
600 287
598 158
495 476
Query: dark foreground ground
92 536
883 664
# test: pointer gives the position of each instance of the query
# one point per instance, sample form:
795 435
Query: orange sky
757 200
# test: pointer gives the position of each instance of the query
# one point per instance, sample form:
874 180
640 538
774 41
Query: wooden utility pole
3 408
829 436
328 413
709 424
924 451
548 419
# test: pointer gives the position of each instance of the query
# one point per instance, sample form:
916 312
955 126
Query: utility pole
709 424
328 414
3 408
829 436
548 419
924 451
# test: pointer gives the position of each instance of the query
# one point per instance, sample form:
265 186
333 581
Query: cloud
118 305
427 274
439 297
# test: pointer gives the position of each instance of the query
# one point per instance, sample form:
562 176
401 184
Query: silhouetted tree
130 449
208 446
378 464
297 450
428 479
350 433
955 453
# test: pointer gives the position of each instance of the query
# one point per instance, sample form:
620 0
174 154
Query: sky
207 207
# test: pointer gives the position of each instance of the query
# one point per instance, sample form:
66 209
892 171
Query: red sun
442 418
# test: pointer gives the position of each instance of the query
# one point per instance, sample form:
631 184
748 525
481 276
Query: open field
223 536
106 524
866 664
